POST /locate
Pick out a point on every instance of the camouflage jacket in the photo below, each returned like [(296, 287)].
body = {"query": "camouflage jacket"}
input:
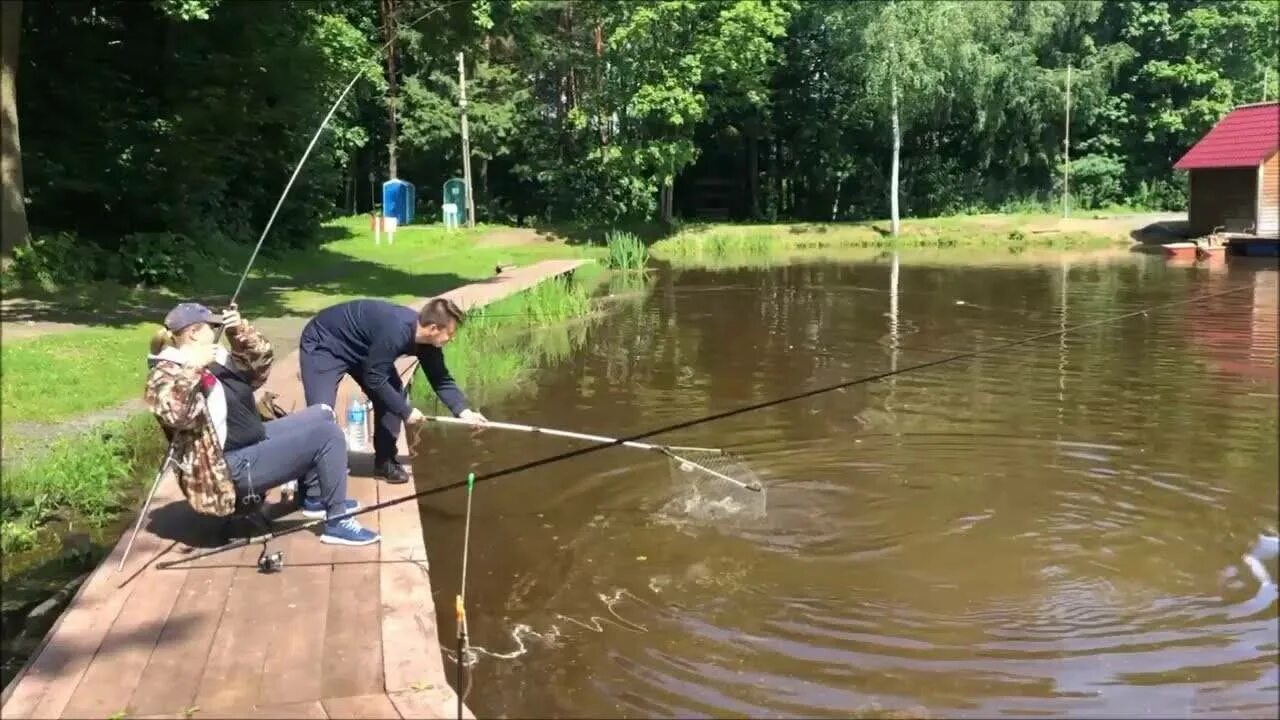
[(177, 395)]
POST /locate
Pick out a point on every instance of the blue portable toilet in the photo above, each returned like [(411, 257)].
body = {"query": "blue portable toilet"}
[(398, 200)]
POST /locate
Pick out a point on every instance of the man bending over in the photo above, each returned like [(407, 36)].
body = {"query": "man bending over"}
[(363, 339)]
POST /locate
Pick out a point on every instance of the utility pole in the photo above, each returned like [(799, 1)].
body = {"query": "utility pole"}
[(389, 26), (466, 142), (1066, 152)]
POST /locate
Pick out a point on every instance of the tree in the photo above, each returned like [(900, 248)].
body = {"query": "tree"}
[(14, 229), (913, 56)]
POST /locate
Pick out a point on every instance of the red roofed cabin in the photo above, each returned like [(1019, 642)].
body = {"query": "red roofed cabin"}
[(1235, 174)]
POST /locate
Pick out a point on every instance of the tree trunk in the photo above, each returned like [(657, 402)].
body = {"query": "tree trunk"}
[(14, 230), (778, 208), (753, 172), (484, 181), (771, 181), (664, 202), (897, 147)]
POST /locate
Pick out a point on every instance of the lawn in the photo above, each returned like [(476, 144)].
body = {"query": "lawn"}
[(58, 376)]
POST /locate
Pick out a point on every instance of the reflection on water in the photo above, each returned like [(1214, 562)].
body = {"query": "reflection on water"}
[(1064, 528)]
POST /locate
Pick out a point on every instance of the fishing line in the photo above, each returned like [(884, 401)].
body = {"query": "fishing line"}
[(698, 421)]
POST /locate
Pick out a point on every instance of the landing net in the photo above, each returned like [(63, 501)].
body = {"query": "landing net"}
[(715, 484)]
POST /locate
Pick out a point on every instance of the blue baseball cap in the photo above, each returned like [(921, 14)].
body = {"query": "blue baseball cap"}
[(188, 314)]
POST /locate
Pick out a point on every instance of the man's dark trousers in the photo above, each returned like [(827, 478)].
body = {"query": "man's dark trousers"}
[(321, 373)]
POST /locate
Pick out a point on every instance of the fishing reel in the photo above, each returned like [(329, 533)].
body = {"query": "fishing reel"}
[(270, 562)]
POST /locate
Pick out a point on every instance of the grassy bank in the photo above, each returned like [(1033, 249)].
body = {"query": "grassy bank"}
[(502, 344), (79, 485), (970, 238)]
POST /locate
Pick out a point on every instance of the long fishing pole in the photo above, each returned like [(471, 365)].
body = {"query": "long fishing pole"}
[(218, 331), (241, 542)]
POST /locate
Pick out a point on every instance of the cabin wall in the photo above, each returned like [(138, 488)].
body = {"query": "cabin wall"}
[(1269, 197), (1222, 198)]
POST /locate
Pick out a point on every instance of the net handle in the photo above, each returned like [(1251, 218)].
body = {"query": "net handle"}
[(565, 433)]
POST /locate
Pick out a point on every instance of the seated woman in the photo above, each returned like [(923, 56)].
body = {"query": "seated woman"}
[(203, 398)]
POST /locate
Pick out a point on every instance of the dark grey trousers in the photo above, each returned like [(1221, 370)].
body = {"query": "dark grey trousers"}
[(321, 373), (307, 446)]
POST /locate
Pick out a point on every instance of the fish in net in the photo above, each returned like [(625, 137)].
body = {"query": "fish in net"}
[(715, 484)]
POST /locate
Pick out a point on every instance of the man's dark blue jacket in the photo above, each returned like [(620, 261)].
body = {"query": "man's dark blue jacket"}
[(369, 336)]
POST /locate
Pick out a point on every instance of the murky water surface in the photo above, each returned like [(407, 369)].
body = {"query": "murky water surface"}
[(1056, 529)]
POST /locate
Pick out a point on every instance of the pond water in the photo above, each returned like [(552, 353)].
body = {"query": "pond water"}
[(1054, 529)]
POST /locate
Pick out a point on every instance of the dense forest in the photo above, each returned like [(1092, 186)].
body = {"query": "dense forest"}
[(157, 128)]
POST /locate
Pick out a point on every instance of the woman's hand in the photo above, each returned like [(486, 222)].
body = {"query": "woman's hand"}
[(231, 317)]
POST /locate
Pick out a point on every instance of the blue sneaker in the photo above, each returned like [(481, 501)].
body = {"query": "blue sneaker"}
[(315, 509), (348, 532)]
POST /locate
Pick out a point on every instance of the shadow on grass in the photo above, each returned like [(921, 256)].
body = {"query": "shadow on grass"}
[(266, 292), (588, 235)]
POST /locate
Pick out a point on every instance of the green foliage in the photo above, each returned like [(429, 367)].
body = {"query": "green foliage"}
[(626, 252), (57, 259), (499, 345), (188, 116), (79, 478), (1096, 181), (158, 258)]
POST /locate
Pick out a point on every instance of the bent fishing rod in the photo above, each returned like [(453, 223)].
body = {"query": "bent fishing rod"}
[(472, 480), (218, 331)]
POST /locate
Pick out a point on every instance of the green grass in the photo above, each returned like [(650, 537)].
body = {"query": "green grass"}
[(625, 252), (966, 238), (54, 377), (43, 377), (84, 479), (501, 344)]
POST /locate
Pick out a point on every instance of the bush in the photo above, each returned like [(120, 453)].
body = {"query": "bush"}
[(157, 258), (1161, 194), (60, 259), (1096, 181)]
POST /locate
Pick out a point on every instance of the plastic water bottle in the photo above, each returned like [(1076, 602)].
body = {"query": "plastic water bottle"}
[(357, 431)]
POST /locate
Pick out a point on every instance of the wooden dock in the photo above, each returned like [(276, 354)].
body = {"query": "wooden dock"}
[(339, 632)]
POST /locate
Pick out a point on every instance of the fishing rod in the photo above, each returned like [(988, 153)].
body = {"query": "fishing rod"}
[(218, 331), (462, 593), (241, 542)]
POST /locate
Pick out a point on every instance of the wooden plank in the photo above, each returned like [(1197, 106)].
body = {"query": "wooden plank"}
[(295, 654), (171, 679), (433, 702), (362, 706), (353, 643), (239, 649), (410, 646), (118, 665), (304, 711)]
